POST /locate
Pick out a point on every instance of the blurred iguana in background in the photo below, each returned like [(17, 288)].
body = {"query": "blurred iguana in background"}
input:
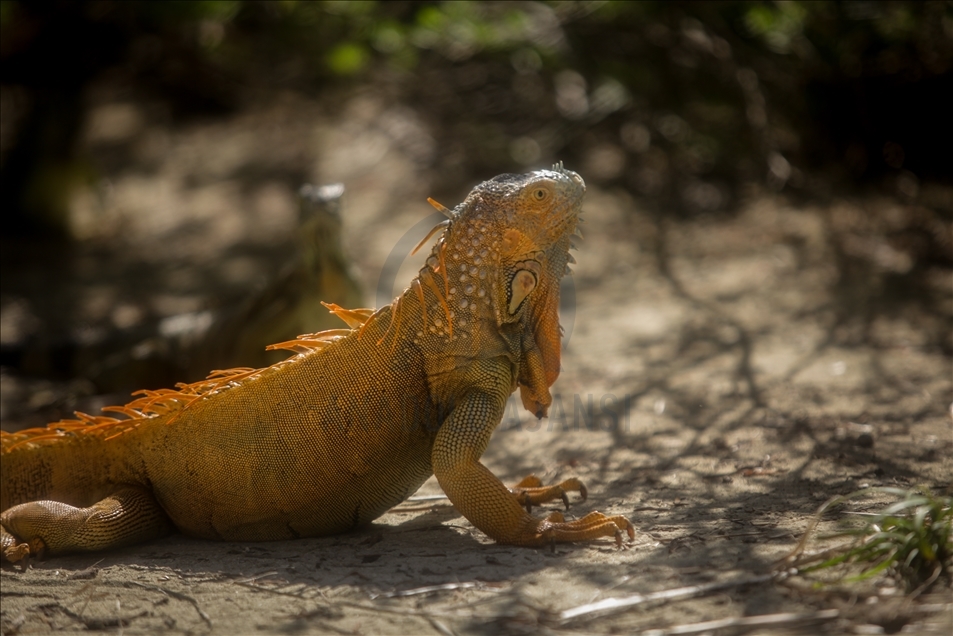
[(292, 304), (187, 346)]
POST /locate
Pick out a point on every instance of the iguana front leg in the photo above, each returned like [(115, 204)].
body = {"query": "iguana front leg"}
[(484, 500), (48, 528)]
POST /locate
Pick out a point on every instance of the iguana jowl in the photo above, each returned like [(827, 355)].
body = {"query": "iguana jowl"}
[(331, 438)]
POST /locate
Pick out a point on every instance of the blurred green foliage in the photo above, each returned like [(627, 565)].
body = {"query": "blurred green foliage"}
[(680, 102)]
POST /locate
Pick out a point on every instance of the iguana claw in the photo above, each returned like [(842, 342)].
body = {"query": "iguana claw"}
[(555, 529), (530, 491)]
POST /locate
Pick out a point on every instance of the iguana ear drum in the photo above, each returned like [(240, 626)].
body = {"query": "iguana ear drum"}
[(522, 284)]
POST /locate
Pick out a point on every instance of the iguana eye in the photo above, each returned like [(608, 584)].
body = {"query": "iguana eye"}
[(540, 194)]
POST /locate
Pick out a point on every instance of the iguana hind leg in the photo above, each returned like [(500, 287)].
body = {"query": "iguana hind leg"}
[(531, 491), (49, 528)]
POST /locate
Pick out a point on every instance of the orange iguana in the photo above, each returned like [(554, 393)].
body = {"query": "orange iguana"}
[(331, 438)]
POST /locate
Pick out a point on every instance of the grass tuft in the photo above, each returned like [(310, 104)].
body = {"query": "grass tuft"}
[(910, 541)]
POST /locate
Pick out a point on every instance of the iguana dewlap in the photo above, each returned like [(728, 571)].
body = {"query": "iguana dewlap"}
[(329, 439)]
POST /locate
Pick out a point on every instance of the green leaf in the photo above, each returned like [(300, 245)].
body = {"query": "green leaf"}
[(348, 58)]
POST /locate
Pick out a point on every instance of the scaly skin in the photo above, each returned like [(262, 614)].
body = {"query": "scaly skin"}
[(330, 439)]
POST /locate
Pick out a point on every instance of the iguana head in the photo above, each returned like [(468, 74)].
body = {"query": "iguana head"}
[(518, 226)]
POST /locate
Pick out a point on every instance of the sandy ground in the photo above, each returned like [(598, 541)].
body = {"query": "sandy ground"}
[(722, 378)]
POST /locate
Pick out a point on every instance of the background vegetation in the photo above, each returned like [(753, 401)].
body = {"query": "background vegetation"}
[(683, 104)]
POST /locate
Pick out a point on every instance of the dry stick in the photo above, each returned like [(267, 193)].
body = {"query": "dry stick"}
[(256, 577), (440, 627), (399, 612), (798, 561), (247, 582), (98, 623), (432, 588), (258, 588), (746, 621), (176, 595), (617, 605), (798, 550), (402, 509)]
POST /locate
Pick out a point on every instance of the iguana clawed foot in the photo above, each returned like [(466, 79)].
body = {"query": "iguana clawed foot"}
[(530, 491), (12, 550), (555, 529), (40, 528)]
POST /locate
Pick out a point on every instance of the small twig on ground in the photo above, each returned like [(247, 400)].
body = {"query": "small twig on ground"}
[(176, 595), (403, 509), (402, 612), (88, 573), (87, 590), (258, 588), (256, 577), (747, 471), (440, 627), (95, 623), (616, 605), (772, 620), (248, 582), (430, 588)]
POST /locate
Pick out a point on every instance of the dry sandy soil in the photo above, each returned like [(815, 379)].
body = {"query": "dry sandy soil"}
[(722, 378)]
